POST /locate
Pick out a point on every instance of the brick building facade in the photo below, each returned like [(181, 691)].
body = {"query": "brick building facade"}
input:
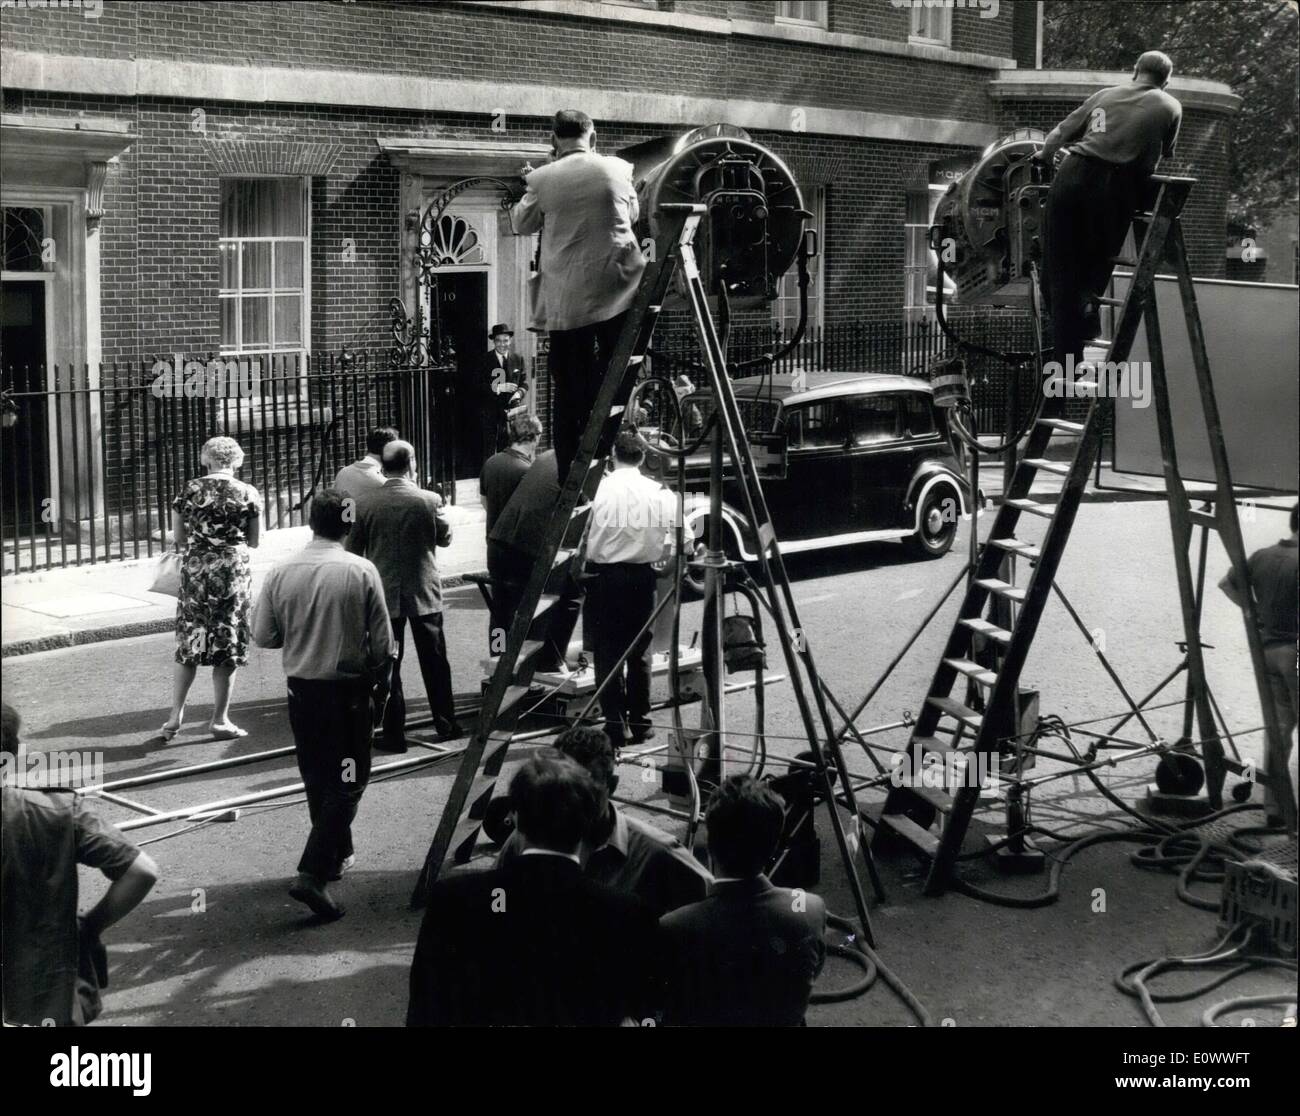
[(135, 132)]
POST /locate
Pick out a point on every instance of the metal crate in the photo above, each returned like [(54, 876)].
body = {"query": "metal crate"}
[(1262, 891)]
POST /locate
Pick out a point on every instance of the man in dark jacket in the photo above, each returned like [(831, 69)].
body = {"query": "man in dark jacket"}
[(500, 387), (746, 956), (501, 476), (398, 527), (1113, 143), (535, 943)]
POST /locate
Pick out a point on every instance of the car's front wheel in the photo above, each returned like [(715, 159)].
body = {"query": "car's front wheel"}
[(938, 519)]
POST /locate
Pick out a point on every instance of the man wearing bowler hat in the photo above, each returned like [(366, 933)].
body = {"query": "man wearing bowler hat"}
[(501, 387)]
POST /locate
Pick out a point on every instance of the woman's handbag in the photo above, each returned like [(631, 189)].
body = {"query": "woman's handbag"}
[(167, 576)]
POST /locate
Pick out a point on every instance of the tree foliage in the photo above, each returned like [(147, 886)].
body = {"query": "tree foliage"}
[(1249, 44)]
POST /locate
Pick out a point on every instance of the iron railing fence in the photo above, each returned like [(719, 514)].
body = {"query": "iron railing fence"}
[(90, 460)]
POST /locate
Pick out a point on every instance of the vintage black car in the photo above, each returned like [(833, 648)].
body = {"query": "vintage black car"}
[(868, 457)]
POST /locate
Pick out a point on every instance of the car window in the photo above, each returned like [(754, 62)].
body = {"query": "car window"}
[(816, 425), (918, 415), (874, 418)]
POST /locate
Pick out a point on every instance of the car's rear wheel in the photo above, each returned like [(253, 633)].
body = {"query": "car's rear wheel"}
[(938, 518), (693, 577)]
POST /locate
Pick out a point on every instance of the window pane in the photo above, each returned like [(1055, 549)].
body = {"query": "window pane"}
[(288, 322), (229, 323), (823, 424), (24, 229), (288, 265), (256, 319), (229, 254), (918, 415), (263, 207), (257, 266), (875, 419)]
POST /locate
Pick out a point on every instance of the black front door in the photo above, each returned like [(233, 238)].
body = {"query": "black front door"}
[(25, 475), (462, 297)]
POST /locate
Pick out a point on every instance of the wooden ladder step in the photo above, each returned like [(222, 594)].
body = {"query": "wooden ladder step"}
[(1057, 467), (1033, 507), (1002, 589), (980, 674), (1063, 425), (1019, 547), (903, 826), (937, 797), (1205, 519), (986, 629), (955, 709), (545, 602)]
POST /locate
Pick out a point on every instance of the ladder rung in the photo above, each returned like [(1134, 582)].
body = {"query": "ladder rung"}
[(1001, 588), (956, 710), (1106, 300), (1018, 546), (530, 648), (562, 556), (1033, 507), (1205, 519), (988, 630), (1123, 261), (913, 834), (1063, 425), (581, 509), (979, 673), (544, 602), (937, 797), (1046, 466)]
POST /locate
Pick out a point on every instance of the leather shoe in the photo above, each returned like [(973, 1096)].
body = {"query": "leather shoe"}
[(316, 895), (382, 744), (345, 866), (448, 729)]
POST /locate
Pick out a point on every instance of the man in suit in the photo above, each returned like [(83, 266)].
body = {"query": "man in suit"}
[(748, 954), (500, 385), (399, 527), (535, 943), (367, 473), (501, 476), (585, 206), (516, 542)]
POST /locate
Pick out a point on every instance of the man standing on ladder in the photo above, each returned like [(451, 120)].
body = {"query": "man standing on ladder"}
[(1113, 143), (591, 265)]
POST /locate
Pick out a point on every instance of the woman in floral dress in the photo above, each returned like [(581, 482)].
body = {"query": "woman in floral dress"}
[(215, 519)]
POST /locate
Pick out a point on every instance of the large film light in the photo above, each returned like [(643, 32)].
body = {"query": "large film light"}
[(755, 213)]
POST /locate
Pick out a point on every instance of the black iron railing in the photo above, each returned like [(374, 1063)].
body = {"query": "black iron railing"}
[(91, 460)]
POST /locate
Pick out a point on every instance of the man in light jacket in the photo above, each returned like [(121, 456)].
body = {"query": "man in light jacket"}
[(585, 206)]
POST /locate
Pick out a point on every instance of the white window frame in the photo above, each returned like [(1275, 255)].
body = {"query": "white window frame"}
[(785, 308), (818, 6), (268, 354), (918, 295), (931, 25)]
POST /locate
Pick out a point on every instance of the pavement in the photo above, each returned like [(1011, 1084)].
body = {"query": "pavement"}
[(111, 600)]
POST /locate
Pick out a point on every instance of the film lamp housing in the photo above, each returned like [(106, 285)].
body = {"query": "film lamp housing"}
[(988, 228), (753, 230)]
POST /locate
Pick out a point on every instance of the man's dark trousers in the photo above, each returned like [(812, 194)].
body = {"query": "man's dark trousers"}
[(622, 597), (1089, 211), (331, 724), (431, 650), (577, 360)]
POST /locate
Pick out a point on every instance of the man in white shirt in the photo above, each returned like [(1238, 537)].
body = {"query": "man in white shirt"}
[(632, 524)]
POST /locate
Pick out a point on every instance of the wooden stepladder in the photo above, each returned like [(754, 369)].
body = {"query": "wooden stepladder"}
[(947, 725)]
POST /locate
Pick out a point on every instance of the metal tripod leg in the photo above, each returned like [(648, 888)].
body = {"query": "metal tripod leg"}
[(787, 622)]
